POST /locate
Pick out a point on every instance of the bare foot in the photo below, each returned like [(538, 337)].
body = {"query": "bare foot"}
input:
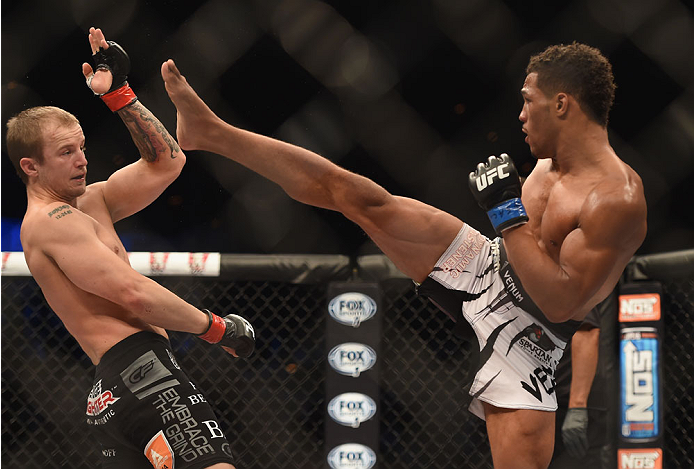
[(194, 117)]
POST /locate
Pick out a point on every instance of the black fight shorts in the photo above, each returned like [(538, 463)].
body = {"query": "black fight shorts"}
[(146, 413)]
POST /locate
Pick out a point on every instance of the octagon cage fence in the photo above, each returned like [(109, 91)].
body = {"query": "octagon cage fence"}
[(272, 406)]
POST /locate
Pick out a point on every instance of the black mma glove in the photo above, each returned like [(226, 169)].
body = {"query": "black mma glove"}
[(115, 60), (574, 432), (497, 189), (230, 331)]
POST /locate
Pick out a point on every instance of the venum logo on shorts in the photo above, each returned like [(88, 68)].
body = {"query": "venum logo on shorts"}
[(352, 308), (352, 456), (98, 401), (511, 287), (351, 409), (351, 358)]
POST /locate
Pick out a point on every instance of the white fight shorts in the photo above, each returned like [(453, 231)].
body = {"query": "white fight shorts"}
[(519, 351)]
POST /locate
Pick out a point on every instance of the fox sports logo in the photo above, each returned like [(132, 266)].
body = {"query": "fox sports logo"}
[(352, 308), (351, 409), (352, 456), (352, 358)]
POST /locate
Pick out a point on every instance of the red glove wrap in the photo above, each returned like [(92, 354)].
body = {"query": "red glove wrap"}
[(118, 99), (216, 330)]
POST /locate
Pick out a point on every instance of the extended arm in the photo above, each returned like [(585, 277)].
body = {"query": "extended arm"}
[(137, 185), (71, 241)]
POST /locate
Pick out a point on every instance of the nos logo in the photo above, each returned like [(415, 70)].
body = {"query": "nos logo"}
[(351, 409), (352, 308), (352, 358), (352, 456), (640, 458)]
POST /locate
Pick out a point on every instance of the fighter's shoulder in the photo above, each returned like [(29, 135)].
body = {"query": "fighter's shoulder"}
[(616, 205), (93, 197), (55, 219), (619, 188)]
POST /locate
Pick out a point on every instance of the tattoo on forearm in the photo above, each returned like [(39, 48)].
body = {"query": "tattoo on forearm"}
[(149, 135), (61, 211)]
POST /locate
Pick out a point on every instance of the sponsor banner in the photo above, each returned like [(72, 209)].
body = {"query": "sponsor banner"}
[(352, 308), (204, 264), (641, 458), (351, 358), (640, 388), (351, 409), (352, 341), (351, 456), (14, 264), (639, 307)]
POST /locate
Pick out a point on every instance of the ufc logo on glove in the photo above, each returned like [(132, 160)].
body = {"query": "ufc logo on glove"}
[(487, 178), (497, 188)]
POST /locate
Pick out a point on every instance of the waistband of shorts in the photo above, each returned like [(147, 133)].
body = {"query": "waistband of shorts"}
[(512, 283), (520, 297), (122, 354)]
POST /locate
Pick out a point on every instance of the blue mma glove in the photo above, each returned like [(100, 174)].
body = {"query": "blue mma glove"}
[(496, 187)]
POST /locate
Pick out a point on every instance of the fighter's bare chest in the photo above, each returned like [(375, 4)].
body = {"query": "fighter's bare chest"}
[(110, 239), (554, 208), (96, 211), (105, 232)]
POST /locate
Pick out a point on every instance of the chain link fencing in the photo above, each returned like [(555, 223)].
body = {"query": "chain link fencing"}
[(678, 372), (272, 406)]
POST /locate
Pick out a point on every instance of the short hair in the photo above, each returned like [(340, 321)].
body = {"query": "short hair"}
[(25, 133), (579, 70)]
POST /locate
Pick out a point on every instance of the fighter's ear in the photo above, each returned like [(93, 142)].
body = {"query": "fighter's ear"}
[(29, 166), (561, 104)]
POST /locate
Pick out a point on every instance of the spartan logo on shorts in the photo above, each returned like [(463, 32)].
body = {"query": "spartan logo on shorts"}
[(534, 341)]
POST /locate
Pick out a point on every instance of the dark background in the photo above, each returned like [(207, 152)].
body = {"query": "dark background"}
[(409, 93)]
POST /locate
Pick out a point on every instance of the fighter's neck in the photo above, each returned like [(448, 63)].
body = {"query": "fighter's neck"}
[(581, 149), (41, 196)]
